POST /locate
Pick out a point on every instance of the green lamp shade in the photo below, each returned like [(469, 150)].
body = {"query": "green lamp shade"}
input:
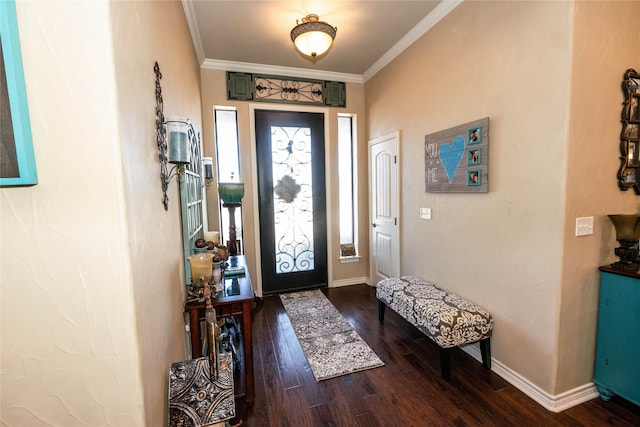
[(231, 192)]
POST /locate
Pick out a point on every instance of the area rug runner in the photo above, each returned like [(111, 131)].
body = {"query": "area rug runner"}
[(330, 345)]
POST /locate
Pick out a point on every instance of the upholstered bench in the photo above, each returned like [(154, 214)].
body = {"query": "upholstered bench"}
[(447, 319)]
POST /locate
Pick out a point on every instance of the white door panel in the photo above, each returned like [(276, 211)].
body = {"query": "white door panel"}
[(383, 209)]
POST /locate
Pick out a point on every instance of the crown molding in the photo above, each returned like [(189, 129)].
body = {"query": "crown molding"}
[(429, 21), (190, 14), (246, 67)]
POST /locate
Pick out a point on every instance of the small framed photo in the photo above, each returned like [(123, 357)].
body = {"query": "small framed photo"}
[(632, 154), (632, 131), (474, 135), (473, 177), (630, 176), (474, 156), (634, 108)]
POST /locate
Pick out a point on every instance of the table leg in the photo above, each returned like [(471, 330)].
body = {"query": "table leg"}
[(194, 328), (248, 350)]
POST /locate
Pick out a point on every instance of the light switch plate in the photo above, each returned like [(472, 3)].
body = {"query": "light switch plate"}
[(584, 226), (425, 213)]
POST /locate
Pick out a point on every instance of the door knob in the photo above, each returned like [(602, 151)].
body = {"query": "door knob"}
[(373, 224)]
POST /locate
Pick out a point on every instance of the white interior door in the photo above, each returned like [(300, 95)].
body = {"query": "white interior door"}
[(384, 247)]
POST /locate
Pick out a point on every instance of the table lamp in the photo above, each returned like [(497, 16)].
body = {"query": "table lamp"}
[(231, 194), (627, 234)]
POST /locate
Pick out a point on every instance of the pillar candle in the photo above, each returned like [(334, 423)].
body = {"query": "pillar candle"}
[(178, 147), (207, 162)]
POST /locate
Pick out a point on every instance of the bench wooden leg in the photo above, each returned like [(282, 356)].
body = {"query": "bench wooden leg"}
[(445, 363), (381, 308), (485, 350)]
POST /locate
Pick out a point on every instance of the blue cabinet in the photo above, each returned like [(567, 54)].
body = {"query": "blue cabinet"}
[(617, 369)]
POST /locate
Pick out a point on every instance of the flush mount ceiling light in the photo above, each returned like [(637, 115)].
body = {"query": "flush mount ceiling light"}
[(313, 37)]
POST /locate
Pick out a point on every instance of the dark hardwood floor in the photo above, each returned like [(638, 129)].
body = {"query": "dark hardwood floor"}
[(407, 391)]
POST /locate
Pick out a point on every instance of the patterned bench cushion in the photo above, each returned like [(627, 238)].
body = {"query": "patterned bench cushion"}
[(447, 319)]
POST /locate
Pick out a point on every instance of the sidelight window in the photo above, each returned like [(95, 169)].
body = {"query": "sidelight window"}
[(228, 163), (347, 188)]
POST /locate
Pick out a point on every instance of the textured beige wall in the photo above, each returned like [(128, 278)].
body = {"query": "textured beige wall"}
[(69, 341), (606, 43), (214, 94), (145, 32), (509, 61), (91, 262)]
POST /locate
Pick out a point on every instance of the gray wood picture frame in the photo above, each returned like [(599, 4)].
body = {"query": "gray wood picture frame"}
[(457, 159)]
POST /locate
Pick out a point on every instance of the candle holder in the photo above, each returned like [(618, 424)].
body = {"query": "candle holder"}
[(174, 137), (627, 234)]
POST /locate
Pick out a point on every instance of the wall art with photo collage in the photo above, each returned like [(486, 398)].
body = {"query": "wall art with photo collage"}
[(457, 159)]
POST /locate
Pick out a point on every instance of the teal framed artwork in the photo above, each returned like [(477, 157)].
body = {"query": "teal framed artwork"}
[(17, 161)]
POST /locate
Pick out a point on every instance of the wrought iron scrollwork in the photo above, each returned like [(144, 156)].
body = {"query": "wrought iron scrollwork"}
[(161, 138), (293, 204), (289, 90), (166, 174)]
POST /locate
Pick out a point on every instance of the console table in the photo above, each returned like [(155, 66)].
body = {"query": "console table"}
[(235, 300), (617, 367)]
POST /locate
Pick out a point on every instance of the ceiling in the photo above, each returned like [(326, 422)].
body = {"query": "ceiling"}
[(254, 35)]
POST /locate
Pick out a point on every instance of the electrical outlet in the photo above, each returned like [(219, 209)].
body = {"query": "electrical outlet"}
[(584, 226), (425, 213)]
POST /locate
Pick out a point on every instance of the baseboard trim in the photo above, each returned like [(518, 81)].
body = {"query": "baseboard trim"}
[(557, 403), (348, 282)]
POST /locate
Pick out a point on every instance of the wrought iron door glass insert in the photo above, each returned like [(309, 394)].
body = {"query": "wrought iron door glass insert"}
[(293, 198)]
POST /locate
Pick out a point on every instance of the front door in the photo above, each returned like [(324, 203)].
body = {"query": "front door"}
[(291, 194)]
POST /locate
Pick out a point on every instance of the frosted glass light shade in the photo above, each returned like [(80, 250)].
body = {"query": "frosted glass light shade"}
[(313, 43), (201, 267)]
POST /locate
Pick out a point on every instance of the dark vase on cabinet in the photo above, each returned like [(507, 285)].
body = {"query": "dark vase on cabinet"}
[(617, 369)]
